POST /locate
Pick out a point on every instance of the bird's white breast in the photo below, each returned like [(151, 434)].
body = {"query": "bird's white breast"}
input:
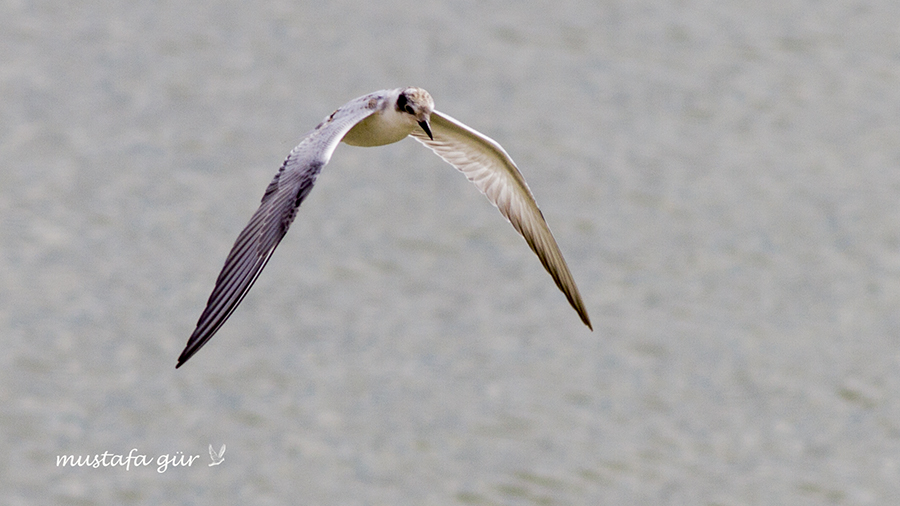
[(383, 127)]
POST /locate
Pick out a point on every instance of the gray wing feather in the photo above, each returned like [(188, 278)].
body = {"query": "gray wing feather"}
[(486, 163), (256, 243)]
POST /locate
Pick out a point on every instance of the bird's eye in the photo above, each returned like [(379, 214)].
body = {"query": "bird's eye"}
[(402, 103)]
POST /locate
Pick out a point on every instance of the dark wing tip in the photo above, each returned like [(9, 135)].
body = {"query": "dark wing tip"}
[(249, 255), (228, 293), (190, 350), (587, 321), (195, 342), (575, 301), (185, 355)]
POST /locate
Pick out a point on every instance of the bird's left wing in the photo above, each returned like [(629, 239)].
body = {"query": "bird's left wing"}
[(255, 244), (486, 163)]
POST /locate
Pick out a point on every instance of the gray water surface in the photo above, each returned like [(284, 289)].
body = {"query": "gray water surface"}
[(723, 178)]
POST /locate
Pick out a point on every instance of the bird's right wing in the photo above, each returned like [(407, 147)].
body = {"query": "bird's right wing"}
[(485, 163), (256, 243)]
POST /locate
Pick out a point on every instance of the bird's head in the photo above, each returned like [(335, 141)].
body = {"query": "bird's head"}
[(418, 103)]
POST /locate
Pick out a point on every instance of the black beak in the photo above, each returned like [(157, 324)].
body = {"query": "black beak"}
[(427, 128)]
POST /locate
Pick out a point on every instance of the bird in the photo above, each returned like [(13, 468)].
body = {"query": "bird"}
[(376, 119)]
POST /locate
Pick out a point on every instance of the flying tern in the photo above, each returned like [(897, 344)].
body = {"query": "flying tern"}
[(376, 119)]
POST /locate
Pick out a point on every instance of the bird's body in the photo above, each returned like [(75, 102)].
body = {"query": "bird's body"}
[(387, 124), (376, 119)]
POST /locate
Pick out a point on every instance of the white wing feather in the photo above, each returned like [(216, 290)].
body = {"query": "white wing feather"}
[(486, 163)]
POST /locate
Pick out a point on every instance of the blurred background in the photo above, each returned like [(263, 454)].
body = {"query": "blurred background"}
[(721, 176)]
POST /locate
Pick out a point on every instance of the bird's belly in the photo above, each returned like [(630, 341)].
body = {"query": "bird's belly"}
[(378, 130)]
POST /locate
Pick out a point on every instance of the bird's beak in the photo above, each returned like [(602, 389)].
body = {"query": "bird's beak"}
[(425, 126)]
